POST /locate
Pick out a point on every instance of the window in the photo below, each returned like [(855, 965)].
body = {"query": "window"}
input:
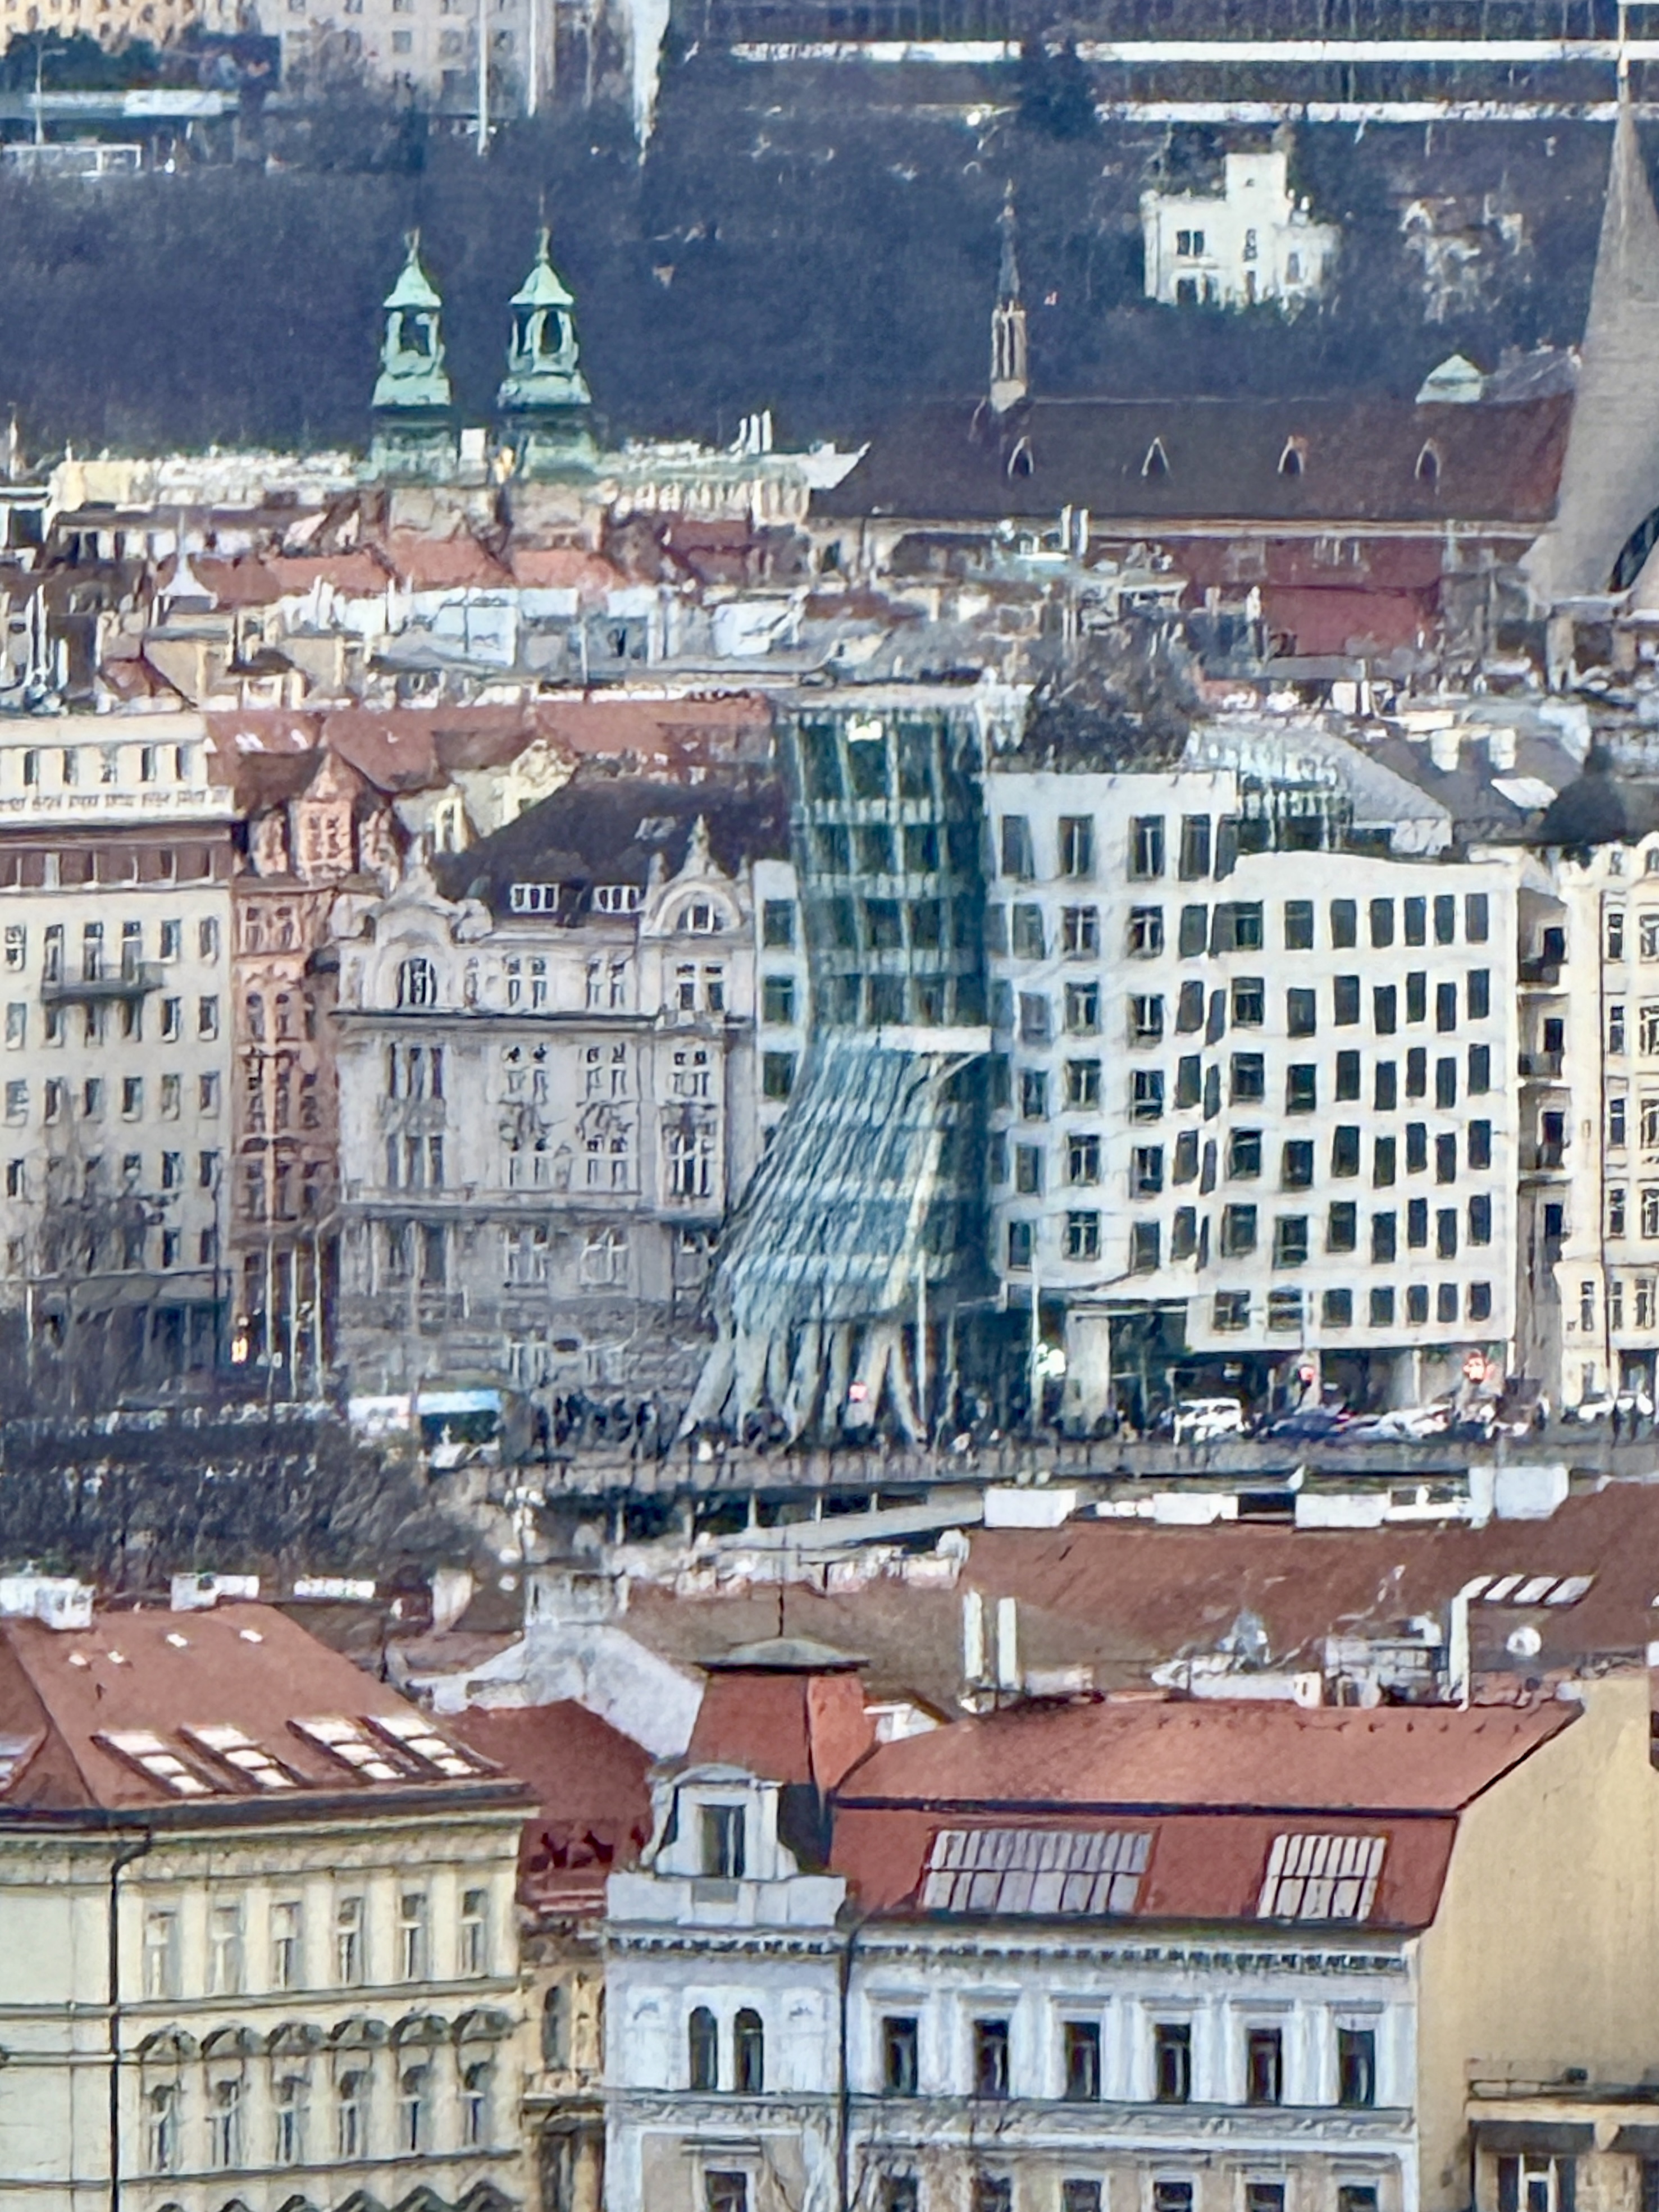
[(1194, 931), (1017, 848), (1445, 1159), (1081, 2046), (207, 1017), (725, 2192), (1356, 2066), (475, 2128), (349, 1964), (1296, 1166), (161, 1953), (1477, 912), (1083, 1083), (1345, 1149), (1147, 847), (778, 1000), (1250, 1001), (412, 1937), (899, 2055), (1194, 846), (1616, 1029), (1145, 939), (1238, 1231), (749, 2053), (1319, 1877), (992, 2192), (1146, 1171), (473, 1933), (1298, 925), (703, 2050), (1445, 1083), (1243, 1154), (1384, 1236), (1480, 1219), (1083, 1013), (1479, 1070), (1029, 939), (1172, 2061), (1336, 1310), (1416, 1305), (1033, 1017), (1249, 1078), (287, 2113), (1077, 845), (1290, 1240), (1019, 1244), (224, 1950), (417, 983), (1301, 1088), (722, 1829), (778, 925), (1342, 1226), (1347, 1074), (225, 2124), (351, 2116), (1028, 1170), (287, 1959), (412, 2086), (162, 2106), (1264, 2066), (1084, 2196), (1231, 1311), (991, 2055), (777, 1074), (1300, 1012), (1146, 1094)]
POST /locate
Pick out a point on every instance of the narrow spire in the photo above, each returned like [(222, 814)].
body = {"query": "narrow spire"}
[(1610, 477), (1009, 380)]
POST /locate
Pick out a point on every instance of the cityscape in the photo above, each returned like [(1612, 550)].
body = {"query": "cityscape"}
[(830, 1107)]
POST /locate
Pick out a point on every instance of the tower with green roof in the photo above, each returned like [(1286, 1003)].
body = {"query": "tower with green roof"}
[(414, 434), (543, 400)]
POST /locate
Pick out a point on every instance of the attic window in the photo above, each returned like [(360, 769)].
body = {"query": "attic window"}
[(14, 1749), (1156, 463), (242, 1753), (701, 919), (151, 1756), (1321, 1877), (1036, 1870), (532, 898), (411, 1732), (1428, 464), (1022, 460), (1291, 460), (345, 1740), (616, 898)]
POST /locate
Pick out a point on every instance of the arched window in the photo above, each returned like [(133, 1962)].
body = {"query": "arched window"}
[(256, 1015), (1290, 461), (417, 984), (702, 2039), (748, 2051), (556, 2026), (225, 2125), (1156, 463), (164, 2119), (1428, 466)]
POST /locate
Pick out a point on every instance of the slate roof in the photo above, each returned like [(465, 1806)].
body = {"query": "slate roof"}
[(1361, 462)]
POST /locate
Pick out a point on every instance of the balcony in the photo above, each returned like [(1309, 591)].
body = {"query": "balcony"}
[(1542, 1158), (1542, 972), (131, 980), (1543, 1066)]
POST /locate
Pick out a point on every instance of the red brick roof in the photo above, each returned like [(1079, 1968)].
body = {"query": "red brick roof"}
[(177, 1680)]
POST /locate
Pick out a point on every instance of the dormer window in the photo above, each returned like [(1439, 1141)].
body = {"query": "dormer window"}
[(701, 919), (616, 898), (1022, 460), (1428, 464), (1291, 461), (532, 898), (1156, 463), (723, 1838)]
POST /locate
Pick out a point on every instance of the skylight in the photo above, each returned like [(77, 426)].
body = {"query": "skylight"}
[(240, 1751), (409, 1732), (345, 1740), (1534, 1589), (1321, 1877), (1035, 1870), (150, 1754)]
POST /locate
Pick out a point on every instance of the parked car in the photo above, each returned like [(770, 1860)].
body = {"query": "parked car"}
[(1203, 1420), (1308, 1424), (1402, 1423)]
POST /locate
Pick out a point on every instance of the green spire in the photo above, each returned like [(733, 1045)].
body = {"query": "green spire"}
[(412, 372), (543, 361)]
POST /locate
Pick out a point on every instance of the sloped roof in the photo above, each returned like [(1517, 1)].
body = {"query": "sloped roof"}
[(1221, 459), (424, 563), (1210, 1755), (247, 1667), (1599, 809), (593, 1806)]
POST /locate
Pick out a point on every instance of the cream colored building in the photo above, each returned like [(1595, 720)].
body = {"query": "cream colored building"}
[(115, 940), (260, 1914)]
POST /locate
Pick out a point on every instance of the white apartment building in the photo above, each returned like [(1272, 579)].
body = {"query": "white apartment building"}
[(553, 1084), (1252, 1123), (1254, 243), (1188, 1957), (115, 864), (261, 1944)]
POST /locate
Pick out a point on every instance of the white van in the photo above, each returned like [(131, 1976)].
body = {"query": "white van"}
[(1201, 1420)]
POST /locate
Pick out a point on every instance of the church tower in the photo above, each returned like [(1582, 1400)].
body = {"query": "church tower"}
[(1008, 381), (543, 399), (414, 437)]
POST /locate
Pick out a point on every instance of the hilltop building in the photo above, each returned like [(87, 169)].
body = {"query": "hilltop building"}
[(1255, 244)]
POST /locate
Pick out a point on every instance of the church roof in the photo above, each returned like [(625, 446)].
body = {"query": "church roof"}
[(414, 286), (544, 286)]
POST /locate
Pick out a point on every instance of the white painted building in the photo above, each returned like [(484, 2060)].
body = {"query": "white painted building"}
[(1251, 1113), (1254, 243), (1184, 1958)]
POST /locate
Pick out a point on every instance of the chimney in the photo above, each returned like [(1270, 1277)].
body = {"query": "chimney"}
[(1007, 1644), (973, 1637), (1444, 747), (1500, 749)]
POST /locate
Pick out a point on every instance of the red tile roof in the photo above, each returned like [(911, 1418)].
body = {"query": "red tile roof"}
[(592, 1802), (437, 564), (564, 569), (1218, 1754), (179, 1679)]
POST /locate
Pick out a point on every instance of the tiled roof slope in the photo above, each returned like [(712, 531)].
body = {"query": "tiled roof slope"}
[(78, 1707)]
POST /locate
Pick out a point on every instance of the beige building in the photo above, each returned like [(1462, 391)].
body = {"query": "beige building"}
[(115, 911), (261, 1947)]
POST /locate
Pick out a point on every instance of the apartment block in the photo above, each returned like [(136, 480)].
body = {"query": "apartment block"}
[(115, 864)]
